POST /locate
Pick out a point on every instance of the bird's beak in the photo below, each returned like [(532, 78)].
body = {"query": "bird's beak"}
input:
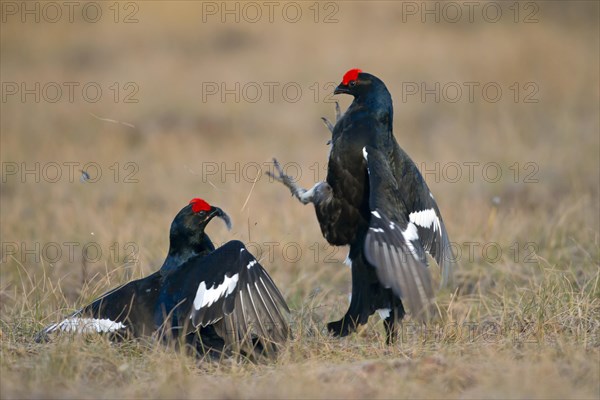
[(341, 89), (217, 212)]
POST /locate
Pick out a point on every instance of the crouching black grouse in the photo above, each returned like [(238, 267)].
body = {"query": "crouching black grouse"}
[(218, 300), (375, 200)]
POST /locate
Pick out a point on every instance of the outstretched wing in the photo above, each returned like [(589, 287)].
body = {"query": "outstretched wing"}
[(424, 213), (125, 309), (392, 243), (229, 286)]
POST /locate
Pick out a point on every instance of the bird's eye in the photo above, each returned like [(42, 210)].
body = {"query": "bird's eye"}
[(352, 83)]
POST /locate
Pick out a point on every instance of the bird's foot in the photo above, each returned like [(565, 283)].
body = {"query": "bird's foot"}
[(287, 180), (327, 123), (338, 115), (341, 328)]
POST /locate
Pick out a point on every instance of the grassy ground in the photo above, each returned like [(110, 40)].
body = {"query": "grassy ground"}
[(522, 320)]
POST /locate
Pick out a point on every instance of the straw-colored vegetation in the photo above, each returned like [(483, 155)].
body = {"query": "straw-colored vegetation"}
[(520, 324)]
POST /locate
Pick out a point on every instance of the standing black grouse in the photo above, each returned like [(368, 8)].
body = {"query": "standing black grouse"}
[(218, 299), (375, 200)]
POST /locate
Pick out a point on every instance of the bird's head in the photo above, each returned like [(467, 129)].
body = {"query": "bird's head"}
[(352, 83), (187, 229), (187, 237), (359, 84), (197, 214)]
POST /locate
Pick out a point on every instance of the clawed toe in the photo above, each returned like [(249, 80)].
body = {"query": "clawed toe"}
[(281, 175), (328, 124), (336, 328), (339, 328), (287, 180), (338, 115)]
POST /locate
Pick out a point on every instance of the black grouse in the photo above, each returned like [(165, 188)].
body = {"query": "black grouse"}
[(375, 200), (218, 300)]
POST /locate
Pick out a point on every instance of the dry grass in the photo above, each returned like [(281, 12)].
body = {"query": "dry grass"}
[(523, 326)]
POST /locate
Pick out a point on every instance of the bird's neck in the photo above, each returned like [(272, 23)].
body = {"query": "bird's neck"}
[(378, 102), (374, 110), (181, 249)]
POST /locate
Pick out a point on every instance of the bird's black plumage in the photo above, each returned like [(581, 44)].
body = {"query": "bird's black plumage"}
[(229, 290), (375, 200), (200, 293)]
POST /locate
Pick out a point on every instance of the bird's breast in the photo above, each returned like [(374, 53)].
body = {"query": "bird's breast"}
[(345, 214)]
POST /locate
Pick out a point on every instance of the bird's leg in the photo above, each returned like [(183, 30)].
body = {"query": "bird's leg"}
[(338, 115), (391, 330), (343, 327), (305, 196), (391, 324), (358, 311)]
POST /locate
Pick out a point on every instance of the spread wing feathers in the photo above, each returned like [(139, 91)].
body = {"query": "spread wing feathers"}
[(392, 243), (400, 263), (434, 238), (422, 210), (231, 285), (113, 312)]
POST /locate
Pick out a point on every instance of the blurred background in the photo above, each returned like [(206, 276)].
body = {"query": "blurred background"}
[(159, 102), (164, 101)]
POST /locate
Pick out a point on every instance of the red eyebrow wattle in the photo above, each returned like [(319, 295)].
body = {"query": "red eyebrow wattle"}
[(351, 75), (199, 205)]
